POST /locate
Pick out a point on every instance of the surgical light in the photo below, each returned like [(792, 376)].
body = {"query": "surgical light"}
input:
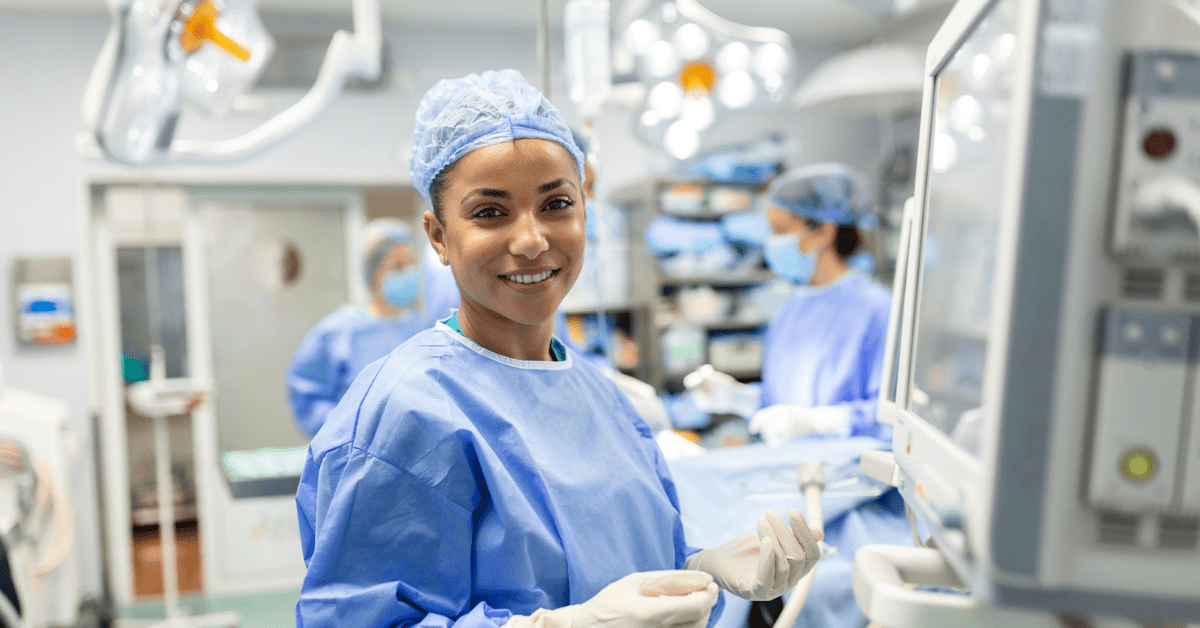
[(661, 59), (965, 113), (670, 12), (773, 84), (737, 90), (714, 66), (639, 35), (945, 152), (682, 140), (733, 57), (691, 41), (697, 78), (981, 73), (1004, 45), (214, 75), (160, 57), (770, 60), (666, 99), (698, 112)]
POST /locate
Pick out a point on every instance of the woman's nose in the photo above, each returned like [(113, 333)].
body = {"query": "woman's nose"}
[(529, 239)]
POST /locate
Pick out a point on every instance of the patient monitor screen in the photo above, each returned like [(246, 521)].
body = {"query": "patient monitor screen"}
[(973, 107)]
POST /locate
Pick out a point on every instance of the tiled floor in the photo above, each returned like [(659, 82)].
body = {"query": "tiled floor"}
[(262, 610)]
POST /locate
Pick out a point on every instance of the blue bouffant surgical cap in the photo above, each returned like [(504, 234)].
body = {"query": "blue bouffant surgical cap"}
[(828, 192), (457, 116), (380, 236)]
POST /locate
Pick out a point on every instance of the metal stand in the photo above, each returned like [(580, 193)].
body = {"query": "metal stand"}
[(159, 398), (811, 478)]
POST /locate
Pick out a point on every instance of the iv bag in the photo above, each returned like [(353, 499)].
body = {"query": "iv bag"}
[(589, 66)]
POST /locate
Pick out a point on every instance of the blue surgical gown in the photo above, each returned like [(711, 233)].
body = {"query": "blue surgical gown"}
[(824, 347), (453, 487), (333, 353)]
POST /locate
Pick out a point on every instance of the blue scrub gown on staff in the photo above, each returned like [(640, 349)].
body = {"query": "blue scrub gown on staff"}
[(453, 486), (333, 353), (824, 347)]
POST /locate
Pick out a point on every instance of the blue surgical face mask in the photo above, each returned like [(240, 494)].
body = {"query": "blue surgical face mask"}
[(401, 287), (785, 258)]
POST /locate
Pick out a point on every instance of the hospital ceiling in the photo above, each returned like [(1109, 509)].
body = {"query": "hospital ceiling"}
[(833, 21)]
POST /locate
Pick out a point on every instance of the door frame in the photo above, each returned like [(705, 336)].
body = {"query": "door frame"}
[(100, 315)]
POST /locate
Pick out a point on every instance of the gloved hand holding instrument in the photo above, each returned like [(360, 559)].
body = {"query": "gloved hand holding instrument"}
[(647, 599), (766, 563)]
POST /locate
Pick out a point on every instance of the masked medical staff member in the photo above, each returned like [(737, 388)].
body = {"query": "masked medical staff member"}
[(355, 335), (481, 475), (824, 346)]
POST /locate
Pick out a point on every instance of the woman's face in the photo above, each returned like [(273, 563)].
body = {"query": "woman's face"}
[(400, 256), (782, 221), (513, 228)]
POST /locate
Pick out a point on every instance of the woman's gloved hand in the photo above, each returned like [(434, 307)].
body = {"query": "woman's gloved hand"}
[(781, 423), (763, 565), (647, 599), (719, 393)]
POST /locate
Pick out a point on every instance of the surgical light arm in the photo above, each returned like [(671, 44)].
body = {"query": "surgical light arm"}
[(116, 77), (354, 54)]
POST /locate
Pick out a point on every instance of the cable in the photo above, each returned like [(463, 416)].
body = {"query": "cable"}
[(9, 614), (48, 495), (62, 535)]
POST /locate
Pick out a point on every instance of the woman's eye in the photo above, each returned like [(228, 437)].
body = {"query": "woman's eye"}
[(488, 212), (559, 204)]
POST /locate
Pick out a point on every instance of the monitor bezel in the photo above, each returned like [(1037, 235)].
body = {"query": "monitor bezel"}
[(926, 477)]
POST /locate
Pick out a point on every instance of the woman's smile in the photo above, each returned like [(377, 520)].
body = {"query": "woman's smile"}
[(530, 278)]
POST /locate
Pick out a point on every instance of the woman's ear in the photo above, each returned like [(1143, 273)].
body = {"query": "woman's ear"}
[(827, 232), (436, 232)]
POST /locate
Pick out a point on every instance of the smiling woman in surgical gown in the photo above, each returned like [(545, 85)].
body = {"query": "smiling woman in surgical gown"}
[(482, 475)]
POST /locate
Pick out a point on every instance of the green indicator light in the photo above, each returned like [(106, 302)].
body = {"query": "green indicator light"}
[(1138, 465)]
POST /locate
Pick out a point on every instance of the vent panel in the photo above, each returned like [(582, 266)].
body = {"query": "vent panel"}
[(1143, 284), (1118, 528), (1178, 533), (1191, 288)]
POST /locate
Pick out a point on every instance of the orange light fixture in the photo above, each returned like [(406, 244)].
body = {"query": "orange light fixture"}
[(202, 27), (697, 78)]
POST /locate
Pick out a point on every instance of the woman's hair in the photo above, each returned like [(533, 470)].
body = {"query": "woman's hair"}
[(847, 240), (437, 187)]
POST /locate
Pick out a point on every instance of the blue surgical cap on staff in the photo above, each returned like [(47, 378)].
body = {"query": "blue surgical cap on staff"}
[(458, 116), (826, 192), (380, 237)]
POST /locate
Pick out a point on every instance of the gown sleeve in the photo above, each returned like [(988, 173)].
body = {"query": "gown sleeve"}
[(682, 549), (312, 380), (863, 410), (384, 548)]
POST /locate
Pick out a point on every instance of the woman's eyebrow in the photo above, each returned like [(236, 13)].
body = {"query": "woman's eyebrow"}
[(490, 192), (557, 183)]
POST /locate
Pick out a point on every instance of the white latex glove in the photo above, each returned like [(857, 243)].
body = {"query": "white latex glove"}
[(781, 423), (763, 565), (719, 393), (647, 599)]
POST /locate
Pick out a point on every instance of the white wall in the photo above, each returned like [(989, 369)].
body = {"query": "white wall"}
[(45, 59), (43, 65)]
